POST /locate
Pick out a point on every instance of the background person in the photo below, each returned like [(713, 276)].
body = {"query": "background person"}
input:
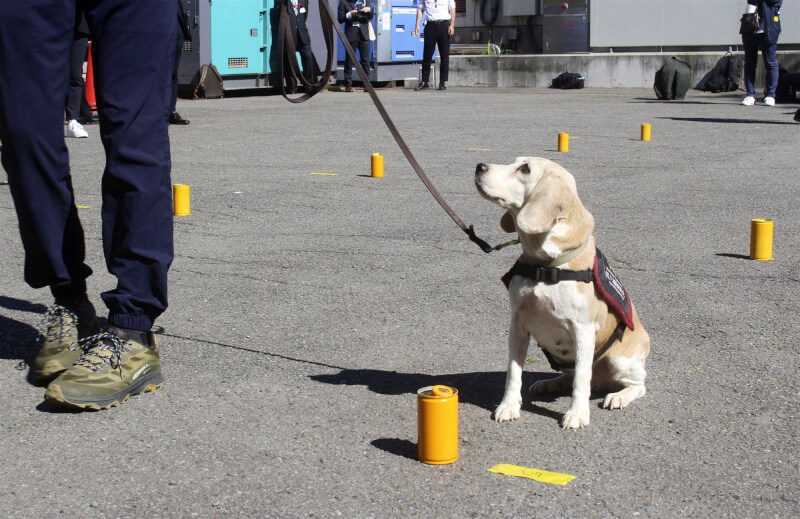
[(298, 31), (356, 19), (766, 39), (184, 35), (439, 28), (77, 108)]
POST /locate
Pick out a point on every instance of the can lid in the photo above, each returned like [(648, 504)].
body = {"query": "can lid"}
[(437, 391), (442, 391)]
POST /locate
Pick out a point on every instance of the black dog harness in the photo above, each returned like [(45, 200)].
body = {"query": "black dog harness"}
[(606, 284)]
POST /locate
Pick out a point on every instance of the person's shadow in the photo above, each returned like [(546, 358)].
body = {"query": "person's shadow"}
[(17, 339), (483, 388)]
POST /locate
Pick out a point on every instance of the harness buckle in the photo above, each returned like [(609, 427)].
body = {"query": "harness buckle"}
[(550, 275)]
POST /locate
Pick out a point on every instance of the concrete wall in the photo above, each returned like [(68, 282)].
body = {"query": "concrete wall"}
[(600, 70), (629, 24)]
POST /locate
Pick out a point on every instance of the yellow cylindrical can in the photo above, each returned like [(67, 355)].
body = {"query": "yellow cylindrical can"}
[(563, 142), (180, 199), (646, 132), (377, 165), (437, 422), (760, 239)]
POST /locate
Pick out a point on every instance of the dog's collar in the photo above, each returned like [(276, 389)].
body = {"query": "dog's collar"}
[(546, 274), (550, 273), (562, 258)]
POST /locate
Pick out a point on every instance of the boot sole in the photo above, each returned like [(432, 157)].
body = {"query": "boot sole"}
[(146, 384)]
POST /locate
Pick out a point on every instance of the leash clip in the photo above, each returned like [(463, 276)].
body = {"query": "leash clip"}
[(485, 247)]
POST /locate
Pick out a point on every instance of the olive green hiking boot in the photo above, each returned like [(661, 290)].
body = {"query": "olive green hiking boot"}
[(62, 328), (114, 365)]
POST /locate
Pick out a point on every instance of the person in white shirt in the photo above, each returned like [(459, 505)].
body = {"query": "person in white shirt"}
[(766, 40), (439, 28)]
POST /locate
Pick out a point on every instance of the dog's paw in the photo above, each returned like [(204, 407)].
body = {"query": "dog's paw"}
[(621, 399), (506, 412), (558, 384), (575, 419)]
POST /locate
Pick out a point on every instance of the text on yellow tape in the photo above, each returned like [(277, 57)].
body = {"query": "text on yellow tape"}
[(538, 475)]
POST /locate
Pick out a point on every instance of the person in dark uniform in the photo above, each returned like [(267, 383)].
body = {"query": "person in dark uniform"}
[(77, 108), (356, 19), (184, 34), (439, 28), (133, 45), (766, 39), (298, 31)]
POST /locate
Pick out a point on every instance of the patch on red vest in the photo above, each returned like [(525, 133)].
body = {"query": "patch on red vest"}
[(611, 290)]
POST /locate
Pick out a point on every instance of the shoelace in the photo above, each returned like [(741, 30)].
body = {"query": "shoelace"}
[(58, 323), (100, 349)]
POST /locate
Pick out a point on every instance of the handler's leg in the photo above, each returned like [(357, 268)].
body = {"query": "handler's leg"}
[(132, 64), (35, 41)]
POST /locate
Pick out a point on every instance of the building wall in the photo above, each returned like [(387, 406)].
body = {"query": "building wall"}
[(625, 25), (677, 23)]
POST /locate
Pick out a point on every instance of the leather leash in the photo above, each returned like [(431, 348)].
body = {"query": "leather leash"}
[(329, 21)]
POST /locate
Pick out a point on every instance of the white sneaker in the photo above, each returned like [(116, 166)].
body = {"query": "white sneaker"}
[(75, 129), (749, 101), (769, 101)]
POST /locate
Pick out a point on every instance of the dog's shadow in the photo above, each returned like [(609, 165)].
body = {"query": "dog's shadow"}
[(481, 389)]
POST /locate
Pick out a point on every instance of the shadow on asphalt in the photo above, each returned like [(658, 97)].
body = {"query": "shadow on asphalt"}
[(716, 120), (16, 338), (675, 101), (482, 389), (396, 446), (734, 256)]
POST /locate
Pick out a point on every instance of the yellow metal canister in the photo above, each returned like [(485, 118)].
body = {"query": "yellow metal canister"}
[(760, 239), (376, 162), (646, 132), (563, 142), (180, 200), (437, 421)]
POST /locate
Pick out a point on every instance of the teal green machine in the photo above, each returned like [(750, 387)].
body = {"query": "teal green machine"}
[(241, 38), (237, 37)]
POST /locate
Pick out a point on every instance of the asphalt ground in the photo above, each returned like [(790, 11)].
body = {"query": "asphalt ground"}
[(310, 301)]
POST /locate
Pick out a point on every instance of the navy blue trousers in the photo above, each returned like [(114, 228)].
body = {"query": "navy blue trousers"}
[(752, 43), (133, 44), (436, 36)]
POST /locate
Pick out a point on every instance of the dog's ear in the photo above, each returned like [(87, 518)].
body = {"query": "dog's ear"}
[(507, 222), (544, 205)]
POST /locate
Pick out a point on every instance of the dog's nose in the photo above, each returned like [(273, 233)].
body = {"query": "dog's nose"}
[(481, 168)]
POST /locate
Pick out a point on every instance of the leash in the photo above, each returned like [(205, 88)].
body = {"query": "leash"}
[(329, 21)]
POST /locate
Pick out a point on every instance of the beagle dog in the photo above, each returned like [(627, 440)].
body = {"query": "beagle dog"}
[(563, 293)]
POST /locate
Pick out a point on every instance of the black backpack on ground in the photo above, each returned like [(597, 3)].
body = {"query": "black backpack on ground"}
[(788, 86), (567, 80), (725, 75), (673, 79), (207, 83)]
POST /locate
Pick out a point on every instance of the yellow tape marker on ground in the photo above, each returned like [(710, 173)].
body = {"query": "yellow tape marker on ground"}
[(83, 207), (538, 475), (326, 174)]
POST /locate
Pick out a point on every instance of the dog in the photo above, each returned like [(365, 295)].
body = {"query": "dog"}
[(556, 290)]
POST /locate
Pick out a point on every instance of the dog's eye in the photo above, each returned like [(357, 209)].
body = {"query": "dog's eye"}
[(524, 169)]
